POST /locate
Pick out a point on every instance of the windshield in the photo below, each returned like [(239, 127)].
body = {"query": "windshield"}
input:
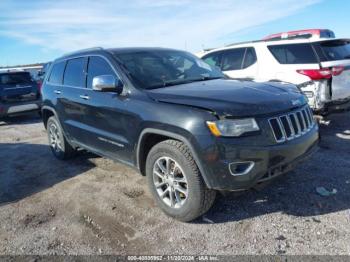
[(159, 68), (15, 78), (335, 50)]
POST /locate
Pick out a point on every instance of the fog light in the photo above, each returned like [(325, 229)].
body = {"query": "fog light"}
[(241, 168)]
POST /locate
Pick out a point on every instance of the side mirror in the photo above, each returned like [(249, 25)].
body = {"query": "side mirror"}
[(107, 83)]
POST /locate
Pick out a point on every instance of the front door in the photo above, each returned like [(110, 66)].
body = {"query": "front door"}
[(107, 121)]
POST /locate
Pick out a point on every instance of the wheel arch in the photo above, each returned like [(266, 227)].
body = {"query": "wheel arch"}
[(46, 113), (142, 148)]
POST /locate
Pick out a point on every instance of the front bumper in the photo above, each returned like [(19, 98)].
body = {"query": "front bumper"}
[(269, 162), (8, 109)]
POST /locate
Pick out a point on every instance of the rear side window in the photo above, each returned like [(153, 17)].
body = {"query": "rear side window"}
[(333, 50), (294, 54), (213, 59), (97, 66), (249, 58), (232, 59), (74, 74), (56, 76)]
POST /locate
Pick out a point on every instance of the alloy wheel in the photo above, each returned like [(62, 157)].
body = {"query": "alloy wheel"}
[(170, 182), (55, 139)]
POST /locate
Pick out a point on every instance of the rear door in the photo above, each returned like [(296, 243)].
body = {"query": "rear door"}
[(17, 87), (71, 104), (335, 54)]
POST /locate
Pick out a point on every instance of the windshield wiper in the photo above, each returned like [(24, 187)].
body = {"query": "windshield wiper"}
[(205, 78), (184, 81)]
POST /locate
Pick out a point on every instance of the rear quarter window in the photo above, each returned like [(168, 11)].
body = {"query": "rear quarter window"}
[(294, 54)]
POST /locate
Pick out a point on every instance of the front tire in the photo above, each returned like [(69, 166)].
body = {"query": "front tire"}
[(57, 141), (176, 183)]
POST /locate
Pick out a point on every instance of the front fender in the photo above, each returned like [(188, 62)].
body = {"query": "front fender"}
[(181, 135)]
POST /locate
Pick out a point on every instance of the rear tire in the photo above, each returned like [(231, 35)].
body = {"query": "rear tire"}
[(176, 183), (57, 141)]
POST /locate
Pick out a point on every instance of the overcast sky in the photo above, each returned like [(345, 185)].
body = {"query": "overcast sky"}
[(39, 30)]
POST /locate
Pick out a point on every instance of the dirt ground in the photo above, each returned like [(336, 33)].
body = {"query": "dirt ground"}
[(91, 205)]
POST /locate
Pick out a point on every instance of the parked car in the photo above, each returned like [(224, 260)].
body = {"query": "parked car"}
[(19, 93), (177, 120), (319, 67)]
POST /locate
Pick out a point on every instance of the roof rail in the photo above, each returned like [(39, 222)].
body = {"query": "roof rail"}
[(246, 42), (97, 48), (263, 40)]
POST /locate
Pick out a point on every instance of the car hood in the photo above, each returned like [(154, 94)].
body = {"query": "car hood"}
[(232, 97)]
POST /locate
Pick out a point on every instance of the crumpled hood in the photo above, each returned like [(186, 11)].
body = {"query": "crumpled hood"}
[(232, 97)]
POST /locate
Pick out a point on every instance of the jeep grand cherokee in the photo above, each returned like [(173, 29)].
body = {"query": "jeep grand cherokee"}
[(177, 120)]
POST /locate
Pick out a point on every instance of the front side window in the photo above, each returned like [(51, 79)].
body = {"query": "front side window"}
[(213, 59), (56, 76), (294, 54), (232, 59), (97, 66), (74, 74), (159, 68)]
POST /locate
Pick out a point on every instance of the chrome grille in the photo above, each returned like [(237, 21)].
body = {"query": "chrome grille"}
[(292, 125)]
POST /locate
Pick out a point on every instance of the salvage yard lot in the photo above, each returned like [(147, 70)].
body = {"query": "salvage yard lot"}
[(91, 205)]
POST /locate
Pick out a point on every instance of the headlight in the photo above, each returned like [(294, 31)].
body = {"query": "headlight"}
[(234, 127)]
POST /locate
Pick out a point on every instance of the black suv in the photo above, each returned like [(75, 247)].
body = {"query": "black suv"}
[(177, 120)]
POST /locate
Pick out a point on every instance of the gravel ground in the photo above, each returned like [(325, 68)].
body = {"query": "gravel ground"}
[(91, 205)]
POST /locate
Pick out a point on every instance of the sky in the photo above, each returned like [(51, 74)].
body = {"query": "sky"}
[(41, 30)]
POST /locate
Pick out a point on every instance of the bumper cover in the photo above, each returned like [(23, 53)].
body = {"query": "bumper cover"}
[(337, 106), (270, 161), (8, 109)]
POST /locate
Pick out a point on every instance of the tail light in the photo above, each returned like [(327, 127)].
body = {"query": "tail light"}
[(337, 70), (325, 73), (316, 74)]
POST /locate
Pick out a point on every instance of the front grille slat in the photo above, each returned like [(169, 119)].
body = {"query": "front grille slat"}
[(295, 124), (306, 120), (310, 115), (301, 121), (288, 127)]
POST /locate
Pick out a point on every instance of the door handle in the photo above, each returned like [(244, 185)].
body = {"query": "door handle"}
[(57, 92), (84, 97)]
